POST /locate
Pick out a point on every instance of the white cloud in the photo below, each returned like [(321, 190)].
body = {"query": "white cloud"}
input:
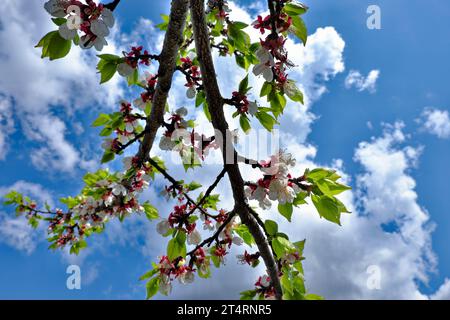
[(41, 89), (443, 293), (356, 80), (436, 122), (15, 231), (6, 125)]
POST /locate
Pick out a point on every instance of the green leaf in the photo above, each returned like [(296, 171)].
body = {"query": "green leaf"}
[(107, 71), (248, 295), (200, 98), (243, 86), (282, 246), (319, 174), (295, 9), (149, 274), (177, 246), (152, 287), (110, 58), (331, 188), (108, 156), (245, 123), (311, 296), (194, 186), (271, 227), (299, 29), (328, 208), (206, 111), (163, 26), (294, 93), (133, 79), (266, 89), (266, 120), (286, 210), (54, 46), (150, 211), (245, 234), (101, 120), (59, 21)]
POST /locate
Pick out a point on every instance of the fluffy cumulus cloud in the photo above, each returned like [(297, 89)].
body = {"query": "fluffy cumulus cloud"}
[(444, 291), (44, 94), (356, 80), (436, 122), (16, 232), (6, 125)]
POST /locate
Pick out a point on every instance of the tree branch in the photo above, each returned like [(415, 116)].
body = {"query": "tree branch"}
[(167, 65), (215, 105)]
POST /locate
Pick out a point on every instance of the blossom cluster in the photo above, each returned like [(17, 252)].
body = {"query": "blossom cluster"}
[(272, 55), (192, 73), (265, 288), (126, 132), (149, 84), (191, 145), (221, 6), (92, 19), (136, 56), (243, 105), (169, 270), (277, 183)]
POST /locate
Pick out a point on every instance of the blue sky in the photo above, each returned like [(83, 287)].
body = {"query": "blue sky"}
[(410, 52)]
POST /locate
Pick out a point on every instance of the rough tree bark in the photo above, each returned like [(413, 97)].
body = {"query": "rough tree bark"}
[(215, 105), (167, 66)]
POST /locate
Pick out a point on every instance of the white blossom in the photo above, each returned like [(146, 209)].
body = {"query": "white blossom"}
[(166, 143), (265, 281), (165, 286), (99, 28), (238, 241), (107, 144), (253, 108), (182, 112), (67, 33), (187, 277), (194, 238), (281, 191), (191, 92), (119, 189), (266, 62), (125, 70), (108, 17), (163, 227), (56, 8)]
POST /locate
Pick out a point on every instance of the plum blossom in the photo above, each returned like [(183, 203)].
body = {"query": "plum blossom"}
[(163, 227), (125, 70), (94, 22), (266, 63), (281, 190), (165, 285), (194, 238), (187, 277), (56, 8), (191, 92), (67, 33), (238, 241), (277, 184), (253, 107), (119, 189)]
